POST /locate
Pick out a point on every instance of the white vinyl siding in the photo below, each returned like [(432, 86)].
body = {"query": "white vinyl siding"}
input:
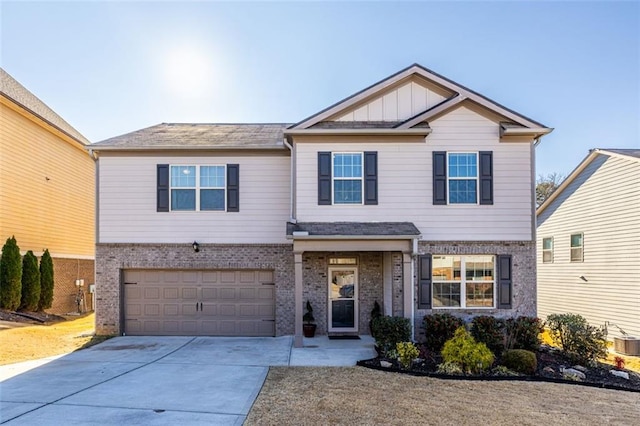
[(405, 183), (128, 202), (602, 203), (399, 104)]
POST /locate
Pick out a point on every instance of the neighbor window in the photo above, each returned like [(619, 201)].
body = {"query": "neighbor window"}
[(547, 250), (577, 247), (347, 178), (463, 178), (463, 281), (197, 188)]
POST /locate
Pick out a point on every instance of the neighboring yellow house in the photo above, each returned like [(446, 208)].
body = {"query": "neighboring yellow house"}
[(47, 193)]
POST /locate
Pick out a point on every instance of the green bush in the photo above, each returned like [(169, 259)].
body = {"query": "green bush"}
[(471, 356), (30, 282), (389, 331), (438, 328), (581, 342), (46, 281), (375, 313), (10, 275), (523, 333), (490, 331), (451, 368), (520, 360), (407, 352)]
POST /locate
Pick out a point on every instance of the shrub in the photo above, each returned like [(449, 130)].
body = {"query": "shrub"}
[(10, 275), (490, 331), (471, 356), (407, 352), (439, 328), (308, 318), (30, 282), (46, 281), (449, 368), (520, 360), (523, 333), (375, 313), (389, 331), (502, 371), (581, 342)]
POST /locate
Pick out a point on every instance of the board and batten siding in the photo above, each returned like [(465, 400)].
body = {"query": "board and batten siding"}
[(128, 202), (47, 187), (405, 183), (603, 203), (399, 104)]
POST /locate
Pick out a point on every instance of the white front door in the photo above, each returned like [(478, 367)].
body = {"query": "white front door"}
[(343, 298)]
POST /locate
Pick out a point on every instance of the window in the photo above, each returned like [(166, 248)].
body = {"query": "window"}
[(463, 281), (347, 178), (577, 247), (463, 178), (343, 261), (547, 250), (197, 188)]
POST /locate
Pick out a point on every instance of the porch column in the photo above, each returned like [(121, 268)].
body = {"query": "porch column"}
[(387, 284), (407, 287), (297, 339)]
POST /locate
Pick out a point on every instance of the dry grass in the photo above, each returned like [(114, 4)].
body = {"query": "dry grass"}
[(40, 341), (348, 396)]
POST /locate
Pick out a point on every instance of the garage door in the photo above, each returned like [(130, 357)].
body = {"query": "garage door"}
[(199, 303)]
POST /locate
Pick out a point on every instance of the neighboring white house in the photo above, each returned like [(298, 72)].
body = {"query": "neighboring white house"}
[(416, 192), (589, 242)]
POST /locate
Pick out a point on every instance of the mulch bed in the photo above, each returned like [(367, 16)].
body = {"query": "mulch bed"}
[(30, 317), (550, 364)]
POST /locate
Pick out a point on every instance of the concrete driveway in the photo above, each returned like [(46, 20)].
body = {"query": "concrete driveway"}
[(160, 380)]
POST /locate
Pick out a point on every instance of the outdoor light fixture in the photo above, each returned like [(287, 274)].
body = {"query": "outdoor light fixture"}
[(79, 283), (196, 246)]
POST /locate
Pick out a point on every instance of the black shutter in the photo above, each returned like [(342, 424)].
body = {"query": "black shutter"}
[(439, 177), (371, 177), (324, 178), (504, 281), (486, 177), (233, 187), (162, 188), (424, 281)]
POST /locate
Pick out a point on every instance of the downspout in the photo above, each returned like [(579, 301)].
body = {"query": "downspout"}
[(94, 157), (292, 211)]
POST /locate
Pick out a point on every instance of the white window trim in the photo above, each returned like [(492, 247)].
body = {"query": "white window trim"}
[(333, 179), (551, 250), (571, 248), (477, 178), (197, 188), (463, 286)]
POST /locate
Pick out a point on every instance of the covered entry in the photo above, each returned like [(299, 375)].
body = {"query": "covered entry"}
[(199, 302)]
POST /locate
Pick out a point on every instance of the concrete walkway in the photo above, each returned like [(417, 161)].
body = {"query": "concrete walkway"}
[(159, 380)]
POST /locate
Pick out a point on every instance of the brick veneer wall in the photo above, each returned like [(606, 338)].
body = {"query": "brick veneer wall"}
[(65, 273), (315, 285), (111, 259), (523, 276)]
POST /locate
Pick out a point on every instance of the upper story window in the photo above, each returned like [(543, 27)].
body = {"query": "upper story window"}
[(577, 247), (197, 188), (347, 178), (547, 250), (463, 178), (463, 281)]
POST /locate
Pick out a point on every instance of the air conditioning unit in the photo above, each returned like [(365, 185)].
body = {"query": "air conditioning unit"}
[(627, 345)]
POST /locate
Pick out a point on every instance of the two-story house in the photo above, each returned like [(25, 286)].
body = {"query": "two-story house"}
[(416, 192), (46, 190)]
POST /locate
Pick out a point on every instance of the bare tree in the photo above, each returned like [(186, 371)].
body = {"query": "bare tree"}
[(546, 185)]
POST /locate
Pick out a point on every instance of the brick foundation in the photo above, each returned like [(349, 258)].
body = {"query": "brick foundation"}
[(111, 259)]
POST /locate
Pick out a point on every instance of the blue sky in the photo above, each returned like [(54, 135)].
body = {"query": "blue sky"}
[(109, 68)]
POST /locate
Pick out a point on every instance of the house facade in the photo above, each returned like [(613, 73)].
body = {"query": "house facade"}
[(589, 243), (416, 192), (46, 190)]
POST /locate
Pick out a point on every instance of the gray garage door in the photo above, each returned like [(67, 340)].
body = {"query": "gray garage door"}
[(199, 303)]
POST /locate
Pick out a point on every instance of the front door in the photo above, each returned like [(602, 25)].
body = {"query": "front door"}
[(343, 298)]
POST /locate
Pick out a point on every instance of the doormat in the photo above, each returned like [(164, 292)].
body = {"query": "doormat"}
[(344, 337)]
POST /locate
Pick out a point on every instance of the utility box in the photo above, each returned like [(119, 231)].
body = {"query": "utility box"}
[(627, 345)]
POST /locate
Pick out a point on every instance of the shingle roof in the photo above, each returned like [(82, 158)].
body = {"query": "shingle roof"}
[(630, 152), (200, 136), (16, 92), (354, 228)]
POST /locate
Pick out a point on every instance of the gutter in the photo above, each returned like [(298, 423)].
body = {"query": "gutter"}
[(94, 157), (421, 131)]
